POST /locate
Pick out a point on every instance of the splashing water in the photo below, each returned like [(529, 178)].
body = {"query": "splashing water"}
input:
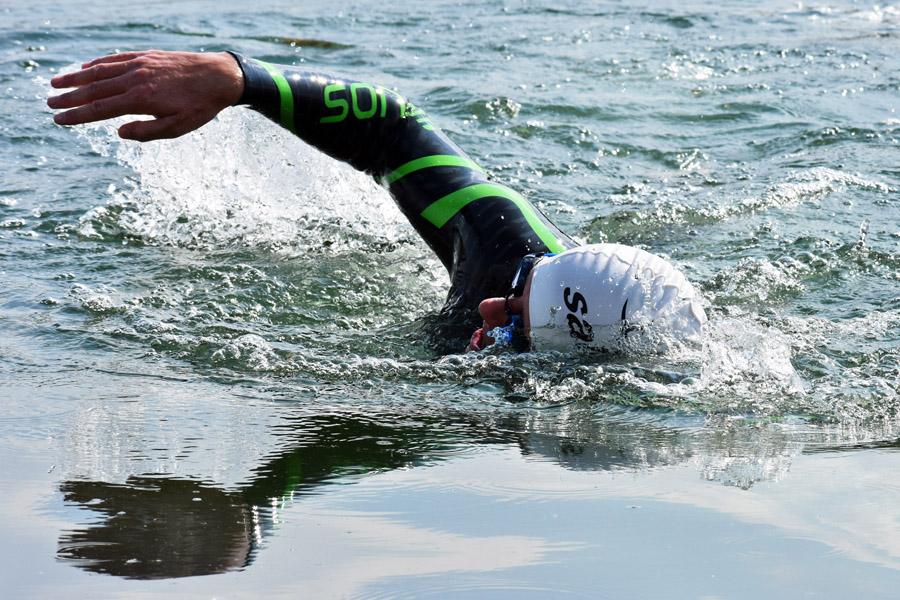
[(241, 182), (269, 193)]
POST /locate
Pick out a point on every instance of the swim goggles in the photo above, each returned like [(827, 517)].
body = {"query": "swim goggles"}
[(513, 334), (517, 287)]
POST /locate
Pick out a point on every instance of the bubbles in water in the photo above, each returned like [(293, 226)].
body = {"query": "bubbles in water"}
[(248, 352), (97, 302), (684, 69), (760, 280)]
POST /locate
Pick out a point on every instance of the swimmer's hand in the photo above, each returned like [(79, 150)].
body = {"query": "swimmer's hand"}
[(476, 342), (479, 340), (182, 90)]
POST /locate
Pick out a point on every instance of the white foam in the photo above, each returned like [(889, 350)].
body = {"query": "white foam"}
[(242, 181), (811, 185)]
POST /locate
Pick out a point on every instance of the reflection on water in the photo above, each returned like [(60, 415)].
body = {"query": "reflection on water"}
[(159, 526)]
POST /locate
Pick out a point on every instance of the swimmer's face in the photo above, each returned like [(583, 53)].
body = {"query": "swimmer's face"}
[(493, 313)]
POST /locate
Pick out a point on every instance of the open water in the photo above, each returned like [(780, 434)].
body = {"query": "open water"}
[(213, 379)]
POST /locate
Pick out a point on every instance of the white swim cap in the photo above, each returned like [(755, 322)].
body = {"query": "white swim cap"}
[(590, 296)]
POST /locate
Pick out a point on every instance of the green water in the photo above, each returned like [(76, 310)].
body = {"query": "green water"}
[(213, 372)]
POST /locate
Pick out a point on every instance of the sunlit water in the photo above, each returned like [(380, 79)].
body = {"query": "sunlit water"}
[(214, 357)]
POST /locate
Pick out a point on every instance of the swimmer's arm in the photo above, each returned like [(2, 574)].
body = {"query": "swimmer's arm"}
[(370, 127), (181, 90), (366, 125)]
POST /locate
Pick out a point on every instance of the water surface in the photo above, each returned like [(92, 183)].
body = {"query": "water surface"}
[(214, 374)]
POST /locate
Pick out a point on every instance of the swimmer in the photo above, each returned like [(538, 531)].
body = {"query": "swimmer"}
[(515, 277)]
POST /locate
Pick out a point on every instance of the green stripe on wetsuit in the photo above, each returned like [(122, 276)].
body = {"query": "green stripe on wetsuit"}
[(444, 209), (426, 162), (287, 96), (431, 179)]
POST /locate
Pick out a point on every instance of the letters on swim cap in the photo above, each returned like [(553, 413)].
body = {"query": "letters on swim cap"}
[(590, 296)]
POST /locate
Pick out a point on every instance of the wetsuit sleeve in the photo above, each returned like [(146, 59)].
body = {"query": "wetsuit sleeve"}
[(478, 229), (436, 185)]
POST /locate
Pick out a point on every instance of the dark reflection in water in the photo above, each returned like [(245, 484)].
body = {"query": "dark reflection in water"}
[(157, 526), (892, 445)]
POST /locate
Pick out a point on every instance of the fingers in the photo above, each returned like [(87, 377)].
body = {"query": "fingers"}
[(476, 341), (102, 92), (91, 92), (90, 75), (182, 90), (156, 129), (97, 110), (115, 58)]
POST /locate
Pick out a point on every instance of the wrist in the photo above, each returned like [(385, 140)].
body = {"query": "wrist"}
[(232, 77), (259, 89)]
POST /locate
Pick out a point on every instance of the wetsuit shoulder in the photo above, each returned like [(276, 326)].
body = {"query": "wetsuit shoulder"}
[(478, 229)]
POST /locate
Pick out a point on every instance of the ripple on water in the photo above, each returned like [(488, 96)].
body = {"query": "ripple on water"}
[(241, 315), (656, 210), (242, 318)]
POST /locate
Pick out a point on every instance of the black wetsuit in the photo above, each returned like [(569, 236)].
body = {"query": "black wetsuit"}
[(479, 230)]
